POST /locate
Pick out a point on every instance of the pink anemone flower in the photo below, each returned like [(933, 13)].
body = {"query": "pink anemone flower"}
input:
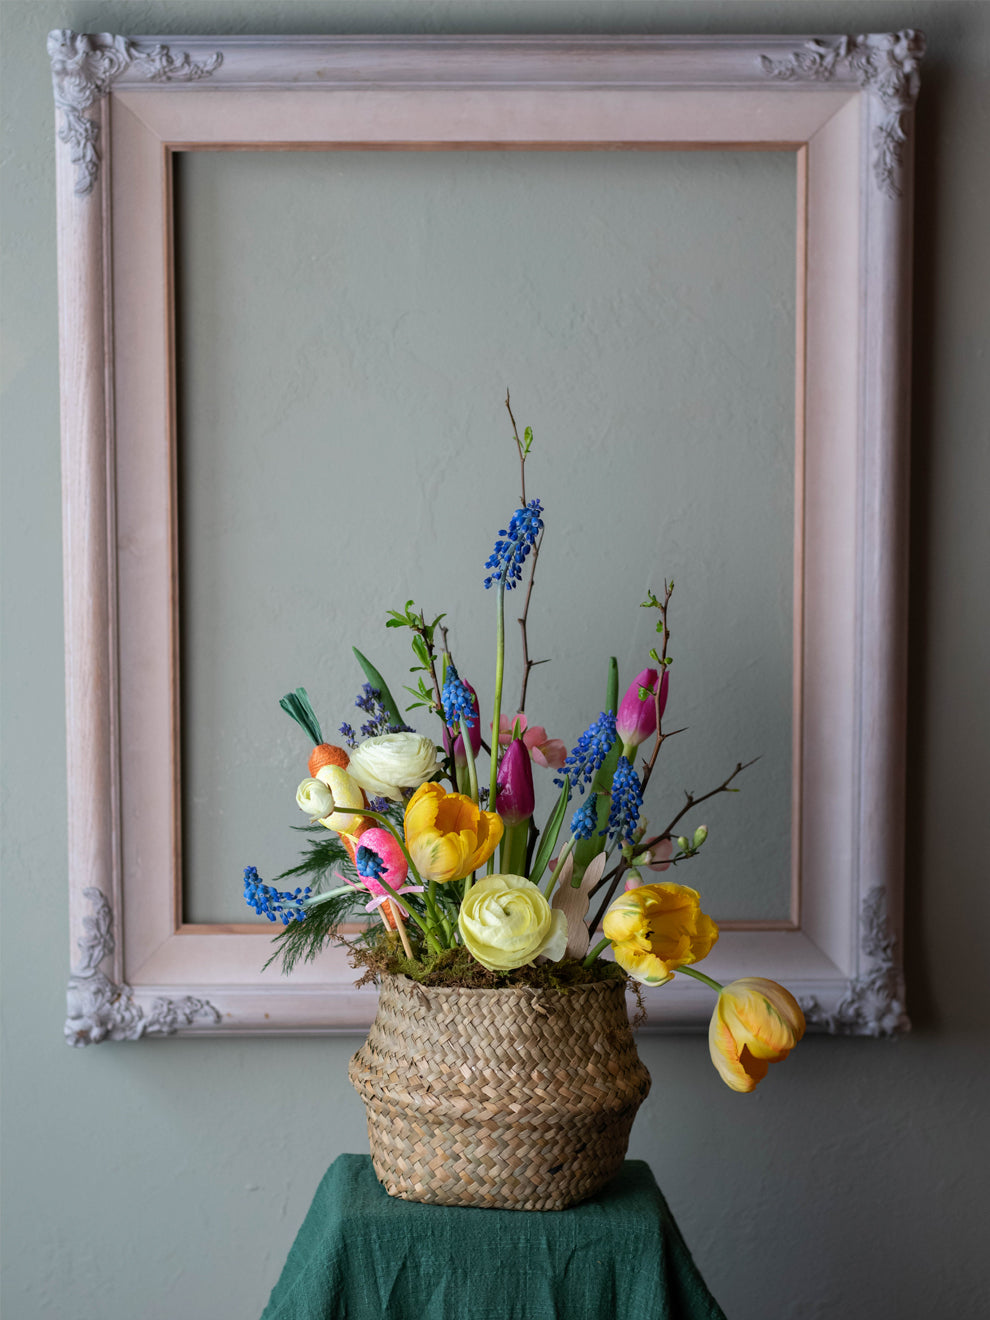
[(548, 752)]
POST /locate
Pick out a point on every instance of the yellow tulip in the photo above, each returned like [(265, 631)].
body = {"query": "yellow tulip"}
[(655, 928), (447, 835), (756, 1022)]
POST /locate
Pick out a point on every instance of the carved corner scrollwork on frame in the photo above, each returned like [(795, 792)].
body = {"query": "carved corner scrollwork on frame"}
[(97, 1009), (886, 65), (873, 1005), (84, 67)]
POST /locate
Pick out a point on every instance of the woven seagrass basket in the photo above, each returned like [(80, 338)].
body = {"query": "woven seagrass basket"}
[(518, 1099)]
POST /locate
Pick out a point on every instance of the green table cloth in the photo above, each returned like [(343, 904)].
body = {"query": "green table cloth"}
[(363, 1255)]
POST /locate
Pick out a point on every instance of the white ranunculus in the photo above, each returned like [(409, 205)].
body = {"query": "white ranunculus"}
[(506, 922), (385, 765), (314, 798)]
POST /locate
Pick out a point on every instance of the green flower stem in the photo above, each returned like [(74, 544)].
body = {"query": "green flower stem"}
[(431, 906), (565, 852), (514, 843), (414, 916), (472, 770), (327, 894), (593, 955), (700, 976), (497, 716)]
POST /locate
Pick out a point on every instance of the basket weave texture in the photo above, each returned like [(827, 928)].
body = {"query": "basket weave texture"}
[(517, 1099)]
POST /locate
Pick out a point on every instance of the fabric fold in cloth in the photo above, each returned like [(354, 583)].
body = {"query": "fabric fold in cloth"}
[(363, 1255)]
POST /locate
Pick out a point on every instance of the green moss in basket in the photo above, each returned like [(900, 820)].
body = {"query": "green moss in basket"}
[(456, 967)]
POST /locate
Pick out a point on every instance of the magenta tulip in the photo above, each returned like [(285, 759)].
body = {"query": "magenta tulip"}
[(514, 797), (637, 717)]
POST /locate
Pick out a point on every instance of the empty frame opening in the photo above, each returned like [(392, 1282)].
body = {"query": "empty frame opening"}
[(347, 324)]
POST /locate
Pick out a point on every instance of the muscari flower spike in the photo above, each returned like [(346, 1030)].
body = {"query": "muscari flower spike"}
[(457, 701), (369, 865), (627, 799), (589, 752), (510, 553), (585, 819), (275, 904)]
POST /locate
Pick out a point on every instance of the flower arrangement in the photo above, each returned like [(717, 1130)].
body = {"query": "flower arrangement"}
[(402, 824)]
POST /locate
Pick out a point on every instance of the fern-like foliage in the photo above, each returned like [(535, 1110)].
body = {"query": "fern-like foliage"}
[(322, 865), (324, 854), (301, 941)]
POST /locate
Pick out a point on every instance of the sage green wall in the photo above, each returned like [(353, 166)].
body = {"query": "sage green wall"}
[(166, 1179)]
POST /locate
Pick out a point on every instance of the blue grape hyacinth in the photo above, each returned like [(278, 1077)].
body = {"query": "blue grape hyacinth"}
[(513, 546), (275, 904), (585, 819), (588, 754), (457, 700), (627, 800)]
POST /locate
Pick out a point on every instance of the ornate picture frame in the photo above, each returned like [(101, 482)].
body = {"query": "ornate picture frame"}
[(842, 104)]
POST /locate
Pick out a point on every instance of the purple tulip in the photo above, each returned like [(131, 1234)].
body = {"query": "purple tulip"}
[(514, 796), (637, 717)]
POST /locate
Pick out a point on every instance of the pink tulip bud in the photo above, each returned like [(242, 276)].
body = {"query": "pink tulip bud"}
[(637, 717), (460, 757), (514, 796)]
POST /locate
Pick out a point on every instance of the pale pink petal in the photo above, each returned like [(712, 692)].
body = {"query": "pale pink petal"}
[(659, 853), (507, 726), (552, 753)]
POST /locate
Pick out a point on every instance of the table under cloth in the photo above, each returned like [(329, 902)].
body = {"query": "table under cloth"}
[(364, 1255)]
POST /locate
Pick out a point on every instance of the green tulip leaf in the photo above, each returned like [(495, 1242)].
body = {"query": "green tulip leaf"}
[(550, 833)]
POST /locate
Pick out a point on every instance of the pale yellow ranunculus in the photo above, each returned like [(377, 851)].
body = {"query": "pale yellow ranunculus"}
[(448, 835), (314, 797), (756, 1022), (655, 928), (506, 922), (345, 793), (385, 765)]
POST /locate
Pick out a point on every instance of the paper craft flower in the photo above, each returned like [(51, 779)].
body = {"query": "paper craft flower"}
[(447, 835), (756, 1022), (506, 922), (544, 751), (655, 928), (385, 765)]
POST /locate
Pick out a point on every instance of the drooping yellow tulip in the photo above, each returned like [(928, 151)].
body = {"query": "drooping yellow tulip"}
[(756, 1022), (447, 835), (655, 928)]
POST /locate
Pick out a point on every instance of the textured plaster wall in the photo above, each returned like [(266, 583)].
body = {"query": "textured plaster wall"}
[(166, 1179)]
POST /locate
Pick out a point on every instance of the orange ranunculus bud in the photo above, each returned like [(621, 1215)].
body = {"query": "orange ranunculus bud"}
[(448, 835), (756, 1022), (655, 928)]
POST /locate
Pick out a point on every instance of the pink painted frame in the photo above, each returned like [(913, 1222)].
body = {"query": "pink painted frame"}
[(843, 104)]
